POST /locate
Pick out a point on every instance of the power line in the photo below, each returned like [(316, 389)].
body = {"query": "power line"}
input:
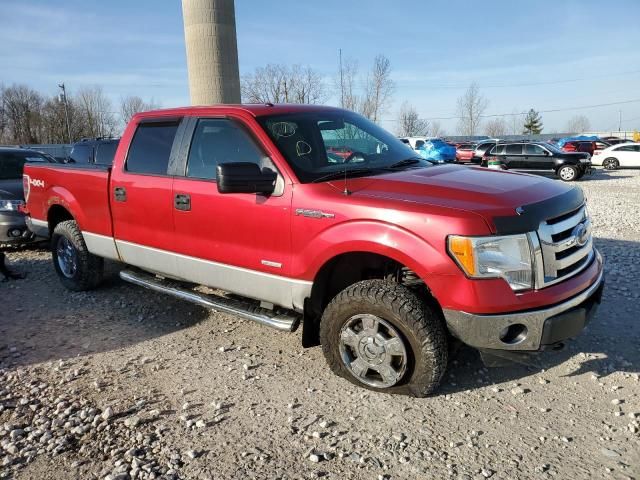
[(565, 109), (533, 84)]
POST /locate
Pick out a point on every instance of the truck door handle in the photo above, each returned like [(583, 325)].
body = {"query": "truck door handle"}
[(120, 194), (182, 202)]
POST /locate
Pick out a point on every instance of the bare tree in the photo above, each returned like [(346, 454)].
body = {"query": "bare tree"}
[(496, 127), (378, 89), (436, 130), (21, 114), (471, 106), (410, 123), (578, 124), (97, 112), (133, 104), (346, 86), (283, 84)]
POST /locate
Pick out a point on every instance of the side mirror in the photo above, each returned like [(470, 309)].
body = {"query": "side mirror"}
[(545, 153), (245, 177)]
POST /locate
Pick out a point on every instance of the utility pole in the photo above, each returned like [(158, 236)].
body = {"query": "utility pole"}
[(619, 120), (66, 109), (341, 80)]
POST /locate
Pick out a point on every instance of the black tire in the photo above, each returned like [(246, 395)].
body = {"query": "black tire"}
[(89, 268), (567, 173), (610, 163), (421, 328)]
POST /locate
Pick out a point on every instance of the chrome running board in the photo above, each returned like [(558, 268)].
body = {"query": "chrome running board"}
[(287, 321)]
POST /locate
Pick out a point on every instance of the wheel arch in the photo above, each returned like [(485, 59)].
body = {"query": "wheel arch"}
[(345, 269)]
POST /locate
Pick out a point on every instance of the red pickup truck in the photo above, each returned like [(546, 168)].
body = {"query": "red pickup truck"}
[(385, 258)]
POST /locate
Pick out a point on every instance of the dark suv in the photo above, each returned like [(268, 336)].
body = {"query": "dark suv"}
[(94, 151), (13, 229), (541, 157)]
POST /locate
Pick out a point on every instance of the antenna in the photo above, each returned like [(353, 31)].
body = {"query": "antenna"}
[(341, 80), (346, 190)]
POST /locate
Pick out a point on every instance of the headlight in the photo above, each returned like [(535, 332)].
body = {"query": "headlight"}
[(507, 257), (10, 205)]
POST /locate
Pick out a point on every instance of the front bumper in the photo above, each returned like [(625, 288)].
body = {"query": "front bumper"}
[(530, 330), (13, 228)]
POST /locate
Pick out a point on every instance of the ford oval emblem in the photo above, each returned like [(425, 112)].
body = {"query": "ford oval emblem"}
[(581, 234)]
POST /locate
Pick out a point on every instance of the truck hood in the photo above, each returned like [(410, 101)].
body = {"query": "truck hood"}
[(493, 194), (11, 189)]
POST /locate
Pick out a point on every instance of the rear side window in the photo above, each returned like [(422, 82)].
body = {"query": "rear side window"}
[(105, 153), (217, 141), (626, 148), (81, 154), (515, 149), (11, 166), (151, 148)]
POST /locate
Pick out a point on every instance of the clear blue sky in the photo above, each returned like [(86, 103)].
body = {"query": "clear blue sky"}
[(575, 53)]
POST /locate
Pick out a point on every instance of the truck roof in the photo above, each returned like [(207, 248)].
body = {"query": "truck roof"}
[(255, 109)]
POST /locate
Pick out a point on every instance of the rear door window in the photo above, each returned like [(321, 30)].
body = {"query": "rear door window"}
[(150, 148), (534, 149), (514, 149)]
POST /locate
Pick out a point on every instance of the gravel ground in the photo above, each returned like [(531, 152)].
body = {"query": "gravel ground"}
[(121, 382)]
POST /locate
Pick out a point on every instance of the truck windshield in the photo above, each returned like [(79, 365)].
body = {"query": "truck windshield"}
[(319, 144)]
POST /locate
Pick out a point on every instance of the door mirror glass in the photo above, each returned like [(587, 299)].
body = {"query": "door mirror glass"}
[(245, 177)]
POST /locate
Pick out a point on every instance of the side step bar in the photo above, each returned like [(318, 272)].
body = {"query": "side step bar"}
[(286, 322)]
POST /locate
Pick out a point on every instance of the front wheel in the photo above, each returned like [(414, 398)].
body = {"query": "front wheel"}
[(379, 335), (568, 173), (611, 163), (78, 269)]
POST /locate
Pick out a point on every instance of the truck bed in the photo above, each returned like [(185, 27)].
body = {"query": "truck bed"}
[(83, 191)]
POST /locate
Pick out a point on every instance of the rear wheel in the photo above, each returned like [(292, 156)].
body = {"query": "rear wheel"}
[(611, 163), (568, 173), (379, 335), (77, 268)]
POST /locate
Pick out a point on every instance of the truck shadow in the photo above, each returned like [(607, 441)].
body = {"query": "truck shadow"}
[(609, 344), (42, 321)]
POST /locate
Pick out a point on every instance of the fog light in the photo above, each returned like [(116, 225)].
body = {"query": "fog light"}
[(513, 334)]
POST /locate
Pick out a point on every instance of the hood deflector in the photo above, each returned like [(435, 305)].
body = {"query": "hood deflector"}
[(534, 213)]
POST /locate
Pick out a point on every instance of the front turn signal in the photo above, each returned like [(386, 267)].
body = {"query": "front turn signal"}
[(462, 250)]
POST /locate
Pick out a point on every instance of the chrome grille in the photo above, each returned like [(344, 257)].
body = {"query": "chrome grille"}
[(565, 247)]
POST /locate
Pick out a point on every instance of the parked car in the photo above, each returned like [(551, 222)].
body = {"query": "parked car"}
[(381, 258), (618, 156), (342, 152), (13, 229), (415, 143), (584, 146), (464, 152), (617, 140), (438, 151), (481, 150), (94, 151), (541, 157)]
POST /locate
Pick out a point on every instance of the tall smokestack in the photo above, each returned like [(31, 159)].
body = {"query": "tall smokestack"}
[(212, 51)]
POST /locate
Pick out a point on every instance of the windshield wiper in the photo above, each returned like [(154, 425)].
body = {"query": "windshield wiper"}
[(345, 173), (405, 163)]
